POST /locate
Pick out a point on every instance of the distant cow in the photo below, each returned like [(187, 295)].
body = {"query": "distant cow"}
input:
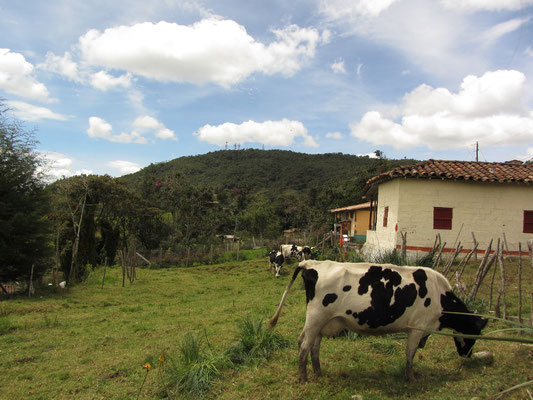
[(377, 299), (305, 253), (276, 261), (289, 250)]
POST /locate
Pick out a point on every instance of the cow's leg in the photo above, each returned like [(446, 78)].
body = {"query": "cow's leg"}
[(315, 353), (308, 338), (422, 342), (414, 339), (278, 269)]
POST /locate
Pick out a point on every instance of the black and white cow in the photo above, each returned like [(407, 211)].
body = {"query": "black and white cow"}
[(289, 250), (377, 299), (276, 261), (306, 253)]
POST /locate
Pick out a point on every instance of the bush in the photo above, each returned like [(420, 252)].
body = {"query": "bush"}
[(389, 257), (193, 374), (254, 343)]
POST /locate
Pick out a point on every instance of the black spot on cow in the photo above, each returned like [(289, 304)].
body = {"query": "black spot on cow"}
[(385, 288), (310, 277), (355, 315), (420, 278), (467, 324), (328, 299), (346, 288), (348, 312), (427, 302)]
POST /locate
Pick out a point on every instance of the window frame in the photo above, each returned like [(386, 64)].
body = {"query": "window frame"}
[(443, 218), (528, 221)]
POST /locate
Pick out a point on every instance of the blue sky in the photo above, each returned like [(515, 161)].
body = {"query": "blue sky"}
[(112, 86)]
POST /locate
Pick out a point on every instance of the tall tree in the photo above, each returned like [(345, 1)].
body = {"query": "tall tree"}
[(24, 229)]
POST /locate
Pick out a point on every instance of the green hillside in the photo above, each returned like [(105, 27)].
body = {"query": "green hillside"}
[(271, 170)]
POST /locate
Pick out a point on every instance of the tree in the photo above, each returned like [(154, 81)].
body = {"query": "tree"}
[(24, 230)]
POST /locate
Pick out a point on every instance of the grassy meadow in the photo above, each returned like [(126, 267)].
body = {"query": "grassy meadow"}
[(92, 343)]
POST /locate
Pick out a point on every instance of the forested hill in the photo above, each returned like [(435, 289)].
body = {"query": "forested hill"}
[(270, 170)]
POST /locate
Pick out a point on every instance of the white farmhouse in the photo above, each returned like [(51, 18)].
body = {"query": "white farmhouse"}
[(453, 199)]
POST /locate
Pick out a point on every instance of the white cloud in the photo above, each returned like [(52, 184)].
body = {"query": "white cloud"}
[(124, 167), (103, 81), (338, 67), (211, 50), (353, 9), (334, 135), (16, 77), (62, 66), (489, 109), (489, 5), (528, 156), (273, 133), (55, 165), (444, 48), (29, 112), (100, 128), (147, 123), (497, 31), (529, 51)]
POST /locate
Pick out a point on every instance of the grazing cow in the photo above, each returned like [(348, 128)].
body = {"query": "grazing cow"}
[(272, 257), (377, 299), (276, 261), (306, 252), (289, 250)]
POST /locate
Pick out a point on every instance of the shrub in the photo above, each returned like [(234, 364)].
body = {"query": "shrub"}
[(254, 343), (389, 257), (193, 374)]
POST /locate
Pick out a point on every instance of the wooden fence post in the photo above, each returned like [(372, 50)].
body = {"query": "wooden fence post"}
[(476, 243), (519, 282)]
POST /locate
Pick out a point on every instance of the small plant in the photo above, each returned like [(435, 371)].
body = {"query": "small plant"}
[(193, 374), (147, 367), (389, 257), (254, 343), (383, 347), (424, 260), (5, 325)]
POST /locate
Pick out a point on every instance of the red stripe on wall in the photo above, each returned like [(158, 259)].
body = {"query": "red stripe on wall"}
[(450, 250)]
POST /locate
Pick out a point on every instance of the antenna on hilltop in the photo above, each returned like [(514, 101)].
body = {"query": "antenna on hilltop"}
[(477, 151)]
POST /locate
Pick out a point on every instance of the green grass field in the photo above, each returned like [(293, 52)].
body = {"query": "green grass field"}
[(89, 343)]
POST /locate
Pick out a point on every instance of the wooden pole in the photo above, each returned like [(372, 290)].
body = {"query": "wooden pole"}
[(519, 282), (452, 259), (105, 267), (501, 294), (463, 263), (404, 247), (475, 245), (509, 258), (437, 260)]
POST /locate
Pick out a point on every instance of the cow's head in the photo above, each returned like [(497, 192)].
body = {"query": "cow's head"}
[(455, 315), (464, 345)]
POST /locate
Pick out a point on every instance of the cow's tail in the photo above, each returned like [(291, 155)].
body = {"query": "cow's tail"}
[(274, 319)]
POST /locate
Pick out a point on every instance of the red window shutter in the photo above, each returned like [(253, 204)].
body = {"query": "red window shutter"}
[(528, 221), (385, 216), (442, 218)]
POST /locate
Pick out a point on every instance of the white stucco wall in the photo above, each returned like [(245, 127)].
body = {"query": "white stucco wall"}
[(486, 209)]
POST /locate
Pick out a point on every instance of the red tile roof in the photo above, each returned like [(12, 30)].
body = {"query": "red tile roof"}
[(507, 172)]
